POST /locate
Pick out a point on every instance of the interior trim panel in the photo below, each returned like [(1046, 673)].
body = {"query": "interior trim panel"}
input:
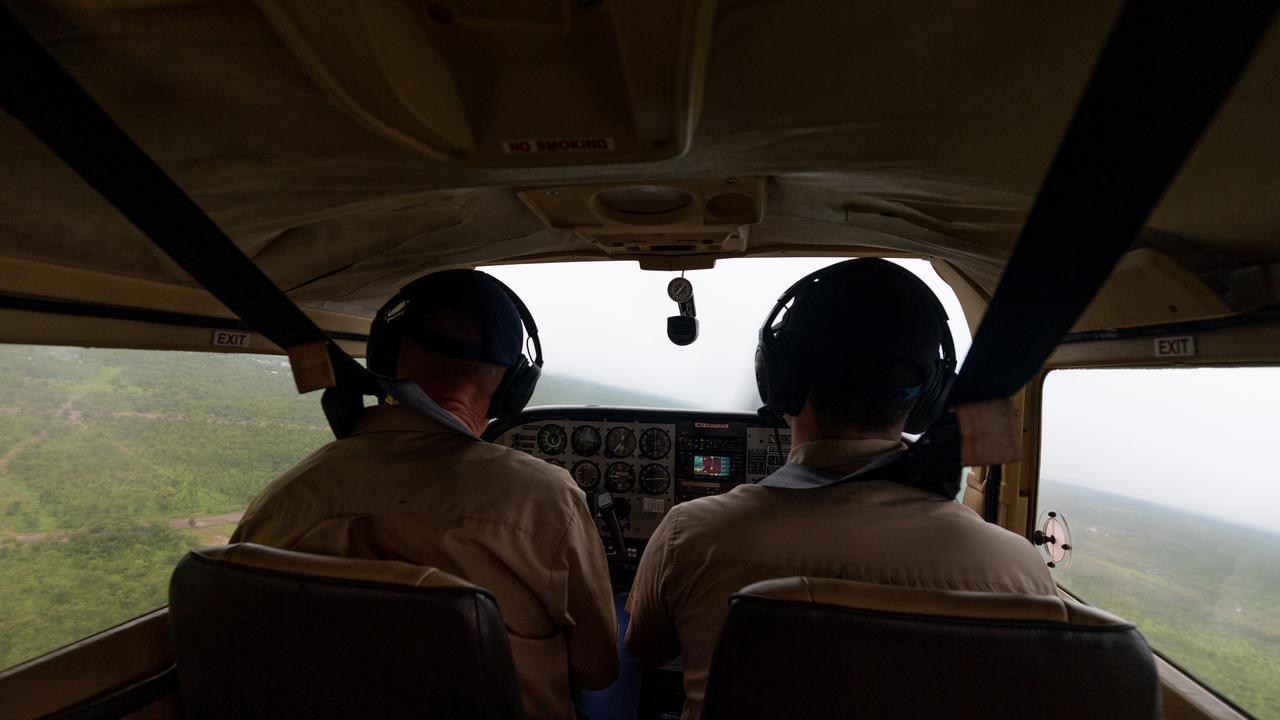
[(91, 668)]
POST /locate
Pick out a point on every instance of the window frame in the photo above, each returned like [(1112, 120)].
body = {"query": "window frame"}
[(1033, 434)]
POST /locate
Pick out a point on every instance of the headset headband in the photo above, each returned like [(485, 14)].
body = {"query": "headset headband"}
[(779, 375), (798, 287), (526, 317)]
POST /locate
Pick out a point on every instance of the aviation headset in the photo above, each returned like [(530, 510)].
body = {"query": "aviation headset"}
[(779, 374), (518, 382)]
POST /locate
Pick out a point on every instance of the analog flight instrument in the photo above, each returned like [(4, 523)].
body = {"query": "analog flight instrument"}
[(586, 474), (552, 439), (586, 441), (620, 442), (555, 461), (680, 290), (654, 479), (619, 478), (655, 443)]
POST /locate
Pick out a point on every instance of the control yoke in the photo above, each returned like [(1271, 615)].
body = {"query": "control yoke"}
[(604, 504)]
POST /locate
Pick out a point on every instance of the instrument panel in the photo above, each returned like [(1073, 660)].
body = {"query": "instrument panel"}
[(649, 460)]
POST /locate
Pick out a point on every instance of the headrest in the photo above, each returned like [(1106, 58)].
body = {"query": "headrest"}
[(388, 572), (942, 603)]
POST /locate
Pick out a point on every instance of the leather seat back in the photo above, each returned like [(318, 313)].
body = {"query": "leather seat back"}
[(822, 648), (261, 632)]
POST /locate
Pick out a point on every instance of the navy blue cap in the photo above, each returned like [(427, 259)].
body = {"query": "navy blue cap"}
[(478, 296)]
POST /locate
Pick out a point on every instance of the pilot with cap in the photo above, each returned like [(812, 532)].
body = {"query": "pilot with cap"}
[(419, 486), (853, 355)]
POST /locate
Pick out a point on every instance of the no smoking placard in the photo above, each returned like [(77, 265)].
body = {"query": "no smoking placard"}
[(551, 146)]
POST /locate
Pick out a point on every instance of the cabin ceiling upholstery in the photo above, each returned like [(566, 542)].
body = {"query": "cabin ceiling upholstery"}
[(908, 128)]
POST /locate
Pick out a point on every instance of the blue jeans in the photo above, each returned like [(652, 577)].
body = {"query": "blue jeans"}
[(621, 700)]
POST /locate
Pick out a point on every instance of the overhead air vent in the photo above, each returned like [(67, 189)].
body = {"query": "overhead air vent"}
[(492, 83), (708, 217)]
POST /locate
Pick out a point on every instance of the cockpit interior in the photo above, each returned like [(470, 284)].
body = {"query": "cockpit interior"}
[(205, 203)]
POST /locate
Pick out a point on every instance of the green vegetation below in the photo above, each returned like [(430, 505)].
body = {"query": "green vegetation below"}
[(53, 593), (114, 462), (1205, 593), (108, 457)]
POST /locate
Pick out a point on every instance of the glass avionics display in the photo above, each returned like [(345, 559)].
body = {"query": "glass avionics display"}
[(716, 466)]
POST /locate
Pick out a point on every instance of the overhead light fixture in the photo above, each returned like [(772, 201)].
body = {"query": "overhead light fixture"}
[(645, 199)]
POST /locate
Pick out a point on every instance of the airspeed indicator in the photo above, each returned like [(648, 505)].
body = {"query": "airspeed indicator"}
[(552, 439)]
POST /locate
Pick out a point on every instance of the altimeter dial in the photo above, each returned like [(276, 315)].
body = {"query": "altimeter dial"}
[(620, 442)]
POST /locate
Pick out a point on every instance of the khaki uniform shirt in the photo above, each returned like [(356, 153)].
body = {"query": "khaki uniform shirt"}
[(403, 487), (873, 531)]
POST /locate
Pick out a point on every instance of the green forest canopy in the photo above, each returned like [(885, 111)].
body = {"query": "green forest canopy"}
[(106, 456)]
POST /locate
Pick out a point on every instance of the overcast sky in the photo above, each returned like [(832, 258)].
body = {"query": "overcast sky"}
[(607, 322), (1202, 440)]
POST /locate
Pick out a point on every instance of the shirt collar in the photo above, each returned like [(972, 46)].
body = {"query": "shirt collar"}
[(840, 456), (409, 394), (828, 462), (396, 418)]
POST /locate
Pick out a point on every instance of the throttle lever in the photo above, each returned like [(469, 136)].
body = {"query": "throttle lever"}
[(604, 504)]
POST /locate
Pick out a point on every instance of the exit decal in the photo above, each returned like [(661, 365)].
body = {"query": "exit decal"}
[(1182, 346), (227, 338)]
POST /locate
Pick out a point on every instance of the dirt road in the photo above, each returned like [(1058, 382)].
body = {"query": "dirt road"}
[(13, 451), (200, 522), (181, 523)]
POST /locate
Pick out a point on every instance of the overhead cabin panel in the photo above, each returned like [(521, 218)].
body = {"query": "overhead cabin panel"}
[(484, 82), (891, 129)]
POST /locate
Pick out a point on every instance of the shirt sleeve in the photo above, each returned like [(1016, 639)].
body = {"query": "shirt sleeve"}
[(593, 634), (651, 633)]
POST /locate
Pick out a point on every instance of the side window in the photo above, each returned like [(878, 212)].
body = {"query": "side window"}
[(114, 462), (1170, 483)]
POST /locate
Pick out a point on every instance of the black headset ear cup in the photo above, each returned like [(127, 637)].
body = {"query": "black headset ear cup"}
[(779, 374), (932, 398), (515, 390), (762, 375), (383, 344)]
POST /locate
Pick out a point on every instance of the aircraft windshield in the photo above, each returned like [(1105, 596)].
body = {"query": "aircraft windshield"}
[(603, 329)]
